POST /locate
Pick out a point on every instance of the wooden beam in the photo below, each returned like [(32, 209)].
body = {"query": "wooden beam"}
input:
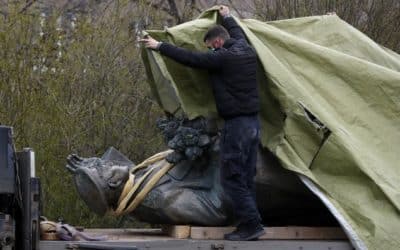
[(177, 231), (274, 233), (217, 233)]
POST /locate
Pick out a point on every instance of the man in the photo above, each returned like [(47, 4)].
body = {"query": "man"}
[(232, 67)]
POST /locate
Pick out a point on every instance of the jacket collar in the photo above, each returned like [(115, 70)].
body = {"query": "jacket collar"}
[(228, 43)]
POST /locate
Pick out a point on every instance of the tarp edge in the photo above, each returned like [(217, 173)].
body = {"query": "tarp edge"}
[(354, 238)]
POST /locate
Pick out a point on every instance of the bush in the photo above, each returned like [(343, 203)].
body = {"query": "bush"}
[(78, 90)]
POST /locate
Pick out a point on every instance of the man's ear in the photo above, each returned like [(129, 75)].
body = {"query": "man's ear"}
[(221, 42)]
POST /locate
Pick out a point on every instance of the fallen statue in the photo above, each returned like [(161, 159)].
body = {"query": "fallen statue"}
[(182, 185)]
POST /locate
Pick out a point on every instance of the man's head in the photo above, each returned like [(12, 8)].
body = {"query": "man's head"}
[(216, 37)]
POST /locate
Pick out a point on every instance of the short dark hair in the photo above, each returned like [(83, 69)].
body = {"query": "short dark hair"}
[(216, 31)]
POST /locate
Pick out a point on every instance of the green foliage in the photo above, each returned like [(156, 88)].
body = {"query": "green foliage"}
[(74, 90)]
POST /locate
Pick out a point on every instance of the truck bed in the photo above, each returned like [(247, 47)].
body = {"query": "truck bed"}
[(155, 239)]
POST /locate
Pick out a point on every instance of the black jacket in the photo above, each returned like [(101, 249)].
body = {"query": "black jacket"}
[(232, 71)]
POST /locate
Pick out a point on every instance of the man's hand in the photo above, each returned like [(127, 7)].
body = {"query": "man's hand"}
[(150, 42), (224, 11)]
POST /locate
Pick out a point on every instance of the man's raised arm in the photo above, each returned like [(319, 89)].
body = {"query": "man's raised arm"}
[(203, 60), (230, 24), (195, 59)]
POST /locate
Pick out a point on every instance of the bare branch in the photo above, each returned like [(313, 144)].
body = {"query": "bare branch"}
[(26, 7)]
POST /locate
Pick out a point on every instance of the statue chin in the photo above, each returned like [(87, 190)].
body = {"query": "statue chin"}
[(190, 192)]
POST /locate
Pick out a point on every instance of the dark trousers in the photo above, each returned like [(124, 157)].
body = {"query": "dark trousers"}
[(239, 143)]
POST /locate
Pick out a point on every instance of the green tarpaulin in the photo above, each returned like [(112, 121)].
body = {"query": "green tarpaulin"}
[(330, 111)]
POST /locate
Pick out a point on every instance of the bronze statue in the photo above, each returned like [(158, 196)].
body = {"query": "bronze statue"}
[(190, 192)]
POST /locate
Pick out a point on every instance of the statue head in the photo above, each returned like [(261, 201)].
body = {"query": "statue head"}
[(99, 181)]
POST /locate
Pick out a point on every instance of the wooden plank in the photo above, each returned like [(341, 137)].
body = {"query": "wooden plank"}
[(217, 233), (128, 234), (273, 233), (133, 231), (177, 231)]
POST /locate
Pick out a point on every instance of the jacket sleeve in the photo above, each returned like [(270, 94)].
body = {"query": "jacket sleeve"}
[(203, 60), (233, 28)]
